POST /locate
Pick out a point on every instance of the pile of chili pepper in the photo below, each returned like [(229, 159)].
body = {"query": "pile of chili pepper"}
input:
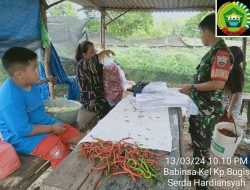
[(122, 158)]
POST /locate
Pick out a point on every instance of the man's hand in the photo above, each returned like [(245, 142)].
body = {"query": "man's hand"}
[(186, 89), (102, 54), (108, 52), (57, 128)]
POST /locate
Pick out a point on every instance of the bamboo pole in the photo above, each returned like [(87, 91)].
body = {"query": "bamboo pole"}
[(46, 62), (103, 30)]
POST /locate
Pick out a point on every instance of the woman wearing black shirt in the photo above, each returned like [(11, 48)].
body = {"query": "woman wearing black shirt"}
[(232, 98), (89, 74)]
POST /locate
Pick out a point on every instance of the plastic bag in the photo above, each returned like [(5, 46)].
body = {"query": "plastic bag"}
[(156, 87), (114, 81), (157, 94), (9, 161)]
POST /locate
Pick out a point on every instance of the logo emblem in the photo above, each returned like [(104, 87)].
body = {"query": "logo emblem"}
[(233, 18), (56, 152), (222, 61)]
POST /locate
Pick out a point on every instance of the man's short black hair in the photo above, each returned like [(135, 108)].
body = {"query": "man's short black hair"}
[(17, 58), (208, 22)]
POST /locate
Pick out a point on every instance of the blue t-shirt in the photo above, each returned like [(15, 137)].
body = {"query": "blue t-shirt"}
[(20, 111)]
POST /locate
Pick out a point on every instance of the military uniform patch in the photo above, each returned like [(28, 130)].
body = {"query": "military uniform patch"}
[(222, 61), (221, 65)]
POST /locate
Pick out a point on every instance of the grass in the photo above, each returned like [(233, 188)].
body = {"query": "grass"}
[(173, 65), (169, 60)]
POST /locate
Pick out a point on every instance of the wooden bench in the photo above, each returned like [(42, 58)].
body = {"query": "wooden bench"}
[(32, 167)]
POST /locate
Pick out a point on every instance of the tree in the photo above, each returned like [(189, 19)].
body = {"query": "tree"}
[(126, 26), (161, 28), (192, 23), (131, 23), (94, 24), (62, 9)]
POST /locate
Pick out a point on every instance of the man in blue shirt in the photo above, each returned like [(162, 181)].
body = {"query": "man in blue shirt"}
[(23, 121)]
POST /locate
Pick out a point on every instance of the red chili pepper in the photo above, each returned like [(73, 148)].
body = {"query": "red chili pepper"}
[(101, 168), (134, 174), (118, 173), (154, 162), (152, 153), (122, 158)]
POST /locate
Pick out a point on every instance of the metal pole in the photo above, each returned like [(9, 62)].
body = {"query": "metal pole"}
[(244, 49), (103, 30)]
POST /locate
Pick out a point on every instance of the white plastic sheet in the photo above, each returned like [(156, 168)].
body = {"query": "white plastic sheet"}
[(157, 94), (150, 128)]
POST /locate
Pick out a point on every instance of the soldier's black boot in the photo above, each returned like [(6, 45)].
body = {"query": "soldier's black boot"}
[(192, 177), (202, 184), (201, 188)]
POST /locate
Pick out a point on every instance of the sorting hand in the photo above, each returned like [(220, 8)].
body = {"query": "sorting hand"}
[(57, 128), (186, 89)]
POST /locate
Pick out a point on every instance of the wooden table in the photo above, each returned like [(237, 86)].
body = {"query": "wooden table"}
[(73, 173)]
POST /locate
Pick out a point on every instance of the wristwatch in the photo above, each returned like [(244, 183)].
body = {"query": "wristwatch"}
[(192, 87)]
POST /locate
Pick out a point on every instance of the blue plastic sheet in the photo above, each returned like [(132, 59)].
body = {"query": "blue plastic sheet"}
[(20, 24), (44, 88), (58, 70)]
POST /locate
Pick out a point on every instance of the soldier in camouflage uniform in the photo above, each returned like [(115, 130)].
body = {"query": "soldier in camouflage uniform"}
[(206, 92)]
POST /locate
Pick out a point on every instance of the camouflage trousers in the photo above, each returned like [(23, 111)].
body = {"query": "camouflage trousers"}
[(201, 129)]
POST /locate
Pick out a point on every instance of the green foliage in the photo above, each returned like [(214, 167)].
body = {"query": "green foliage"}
[(62, 9), (166, 27), (168, 64), (94, 25), (166, 59), (138, 26), (191, 24), (3, 73), (141, 25), (172, 65), (128, 26), (160, 28)]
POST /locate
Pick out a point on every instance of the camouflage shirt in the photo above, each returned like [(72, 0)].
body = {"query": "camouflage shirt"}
[(215, 65)]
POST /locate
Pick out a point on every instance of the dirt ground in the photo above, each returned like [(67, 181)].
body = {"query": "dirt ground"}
[(187, 152), (242, 149)]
